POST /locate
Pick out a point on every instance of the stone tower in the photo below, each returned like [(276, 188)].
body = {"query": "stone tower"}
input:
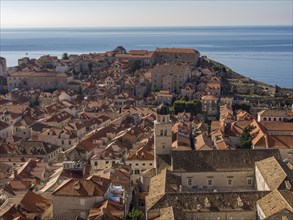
[(162, 132), (2, 66)]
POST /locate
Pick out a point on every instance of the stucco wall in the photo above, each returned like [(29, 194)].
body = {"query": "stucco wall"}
[(68, 207)]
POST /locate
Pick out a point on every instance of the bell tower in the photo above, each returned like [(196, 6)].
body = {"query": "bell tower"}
[(162, 132)]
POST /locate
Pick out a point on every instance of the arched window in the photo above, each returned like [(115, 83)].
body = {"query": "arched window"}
[(165, 133), (161, 132)]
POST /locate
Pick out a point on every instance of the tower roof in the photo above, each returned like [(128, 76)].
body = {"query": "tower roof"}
[(163, 109)]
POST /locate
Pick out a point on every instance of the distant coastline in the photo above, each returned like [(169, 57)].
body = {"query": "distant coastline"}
[(263, 53)]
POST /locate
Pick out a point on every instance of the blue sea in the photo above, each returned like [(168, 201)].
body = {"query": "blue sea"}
[(263, 53)]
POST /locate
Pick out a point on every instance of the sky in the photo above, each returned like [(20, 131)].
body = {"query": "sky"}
[(120, 13)]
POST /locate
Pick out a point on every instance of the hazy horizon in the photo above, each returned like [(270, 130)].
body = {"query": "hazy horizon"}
[(144, 13)]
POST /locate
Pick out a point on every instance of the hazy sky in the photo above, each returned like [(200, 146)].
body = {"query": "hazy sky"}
[(38, 13)]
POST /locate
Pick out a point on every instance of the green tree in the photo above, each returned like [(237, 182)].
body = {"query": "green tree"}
[(135, 214), (65, 56), (245, 138), (192, 106), (243, 106)]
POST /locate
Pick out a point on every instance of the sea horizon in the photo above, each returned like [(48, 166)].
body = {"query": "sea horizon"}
[(245, 49)]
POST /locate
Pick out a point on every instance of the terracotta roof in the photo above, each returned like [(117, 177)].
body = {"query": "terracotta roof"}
[(278, 126), (275, 113), (34, 203), (118, 176), (167, 213), (141, 154), (59, 117), (224, 160), (8, 212), (275, 203), (3, 125), (280, 141), (176, 50), (37, 74), (272, 172), (209, 97), (218, 201), (170, 68), (108, 209), (37, 148), (159, 185), (203, 141), (83, 187)]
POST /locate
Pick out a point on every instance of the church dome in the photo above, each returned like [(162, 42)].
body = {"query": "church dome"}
[(163, 109)]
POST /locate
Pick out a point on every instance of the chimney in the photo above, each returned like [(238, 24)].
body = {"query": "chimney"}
[(15, 173), (207, 203), (266, 140), (77, 185), (239, 201)]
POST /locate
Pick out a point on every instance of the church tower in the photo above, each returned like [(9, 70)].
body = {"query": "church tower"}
[(162, 132)]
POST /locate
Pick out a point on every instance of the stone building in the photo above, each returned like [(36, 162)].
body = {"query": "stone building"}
[(176, 55), (75, 197), (162, 132), (2, 66), (209, 105), (274, 115), (42, 80), (145, 57), (171, 77)]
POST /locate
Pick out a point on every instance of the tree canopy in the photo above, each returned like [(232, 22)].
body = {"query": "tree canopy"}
[(245, 138), (192, 106), (243, 106), (135, 214)]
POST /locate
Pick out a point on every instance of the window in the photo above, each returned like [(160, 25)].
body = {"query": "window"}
[(136, 171), (165, 133), (189, 181), (69, 142), (151, 164), (62, 142), (161, 132), (107, 161), (210, 182), (136, 164), (249, 182), (96, 163), (230, 182), (275, 119), (143, 164), (82, 202)]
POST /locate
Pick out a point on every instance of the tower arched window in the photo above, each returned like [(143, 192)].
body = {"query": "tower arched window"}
[(165, 133), (163, 119), (161, 132)]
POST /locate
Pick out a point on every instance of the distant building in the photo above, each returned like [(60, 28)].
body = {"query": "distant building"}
[(42, 80), (176, 55), (145, 57), (171, 77), (209, 105), (274, 115), (2, 66)]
